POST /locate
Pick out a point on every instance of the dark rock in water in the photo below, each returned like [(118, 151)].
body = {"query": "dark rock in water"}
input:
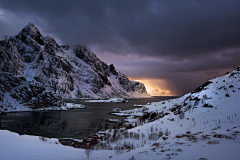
[(3, 113)]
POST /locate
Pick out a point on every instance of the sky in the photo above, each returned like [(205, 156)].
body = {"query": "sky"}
[(171, 46)]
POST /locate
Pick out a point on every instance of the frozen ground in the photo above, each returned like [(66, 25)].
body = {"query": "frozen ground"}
[(15, 147), (216, 144)]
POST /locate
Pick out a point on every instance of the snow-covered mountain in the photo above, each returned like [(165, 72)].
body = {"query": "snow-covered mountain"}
[(65, 71), (206, 119)]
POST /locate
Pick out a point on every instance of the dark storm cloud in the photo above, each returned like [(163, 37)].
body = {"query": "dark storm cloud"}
[(181, 37), (160, 28)]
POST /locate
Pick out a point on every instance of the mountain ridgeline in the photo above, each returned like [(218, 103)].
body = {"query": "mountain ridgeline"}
[(36, 72)]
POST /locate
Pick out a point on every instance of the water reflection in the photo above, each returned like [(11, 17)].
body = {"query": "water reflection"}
[(76, 123)]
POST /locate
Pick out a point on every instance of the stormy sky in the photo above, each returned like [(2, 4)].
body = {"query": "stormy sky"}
[(171, 46)]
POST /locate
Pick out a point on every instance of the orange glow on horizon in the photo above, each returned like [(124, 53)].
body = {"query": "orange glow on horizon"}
[(156, 87)]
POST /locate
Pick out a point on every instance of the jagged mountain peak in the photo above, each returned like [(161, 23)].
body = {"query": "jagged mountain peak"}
[(30, 25), (30, 30)]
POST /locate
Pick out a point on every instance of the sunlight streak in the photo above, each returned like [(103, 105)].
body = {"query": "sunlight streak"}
[(156, 87)]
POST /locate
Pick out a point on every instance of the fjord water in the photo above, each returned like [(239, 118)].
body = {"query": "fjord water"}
[(76, 123)]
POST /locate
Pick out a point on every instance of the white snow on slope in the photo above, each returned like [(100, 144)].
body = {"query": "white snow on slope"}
[(24, 147), (213, 108)]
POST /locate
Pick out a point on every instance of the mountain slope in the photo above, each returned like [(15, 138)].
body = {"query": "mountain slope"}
[(206, 119), (69, 72), (18, 94)]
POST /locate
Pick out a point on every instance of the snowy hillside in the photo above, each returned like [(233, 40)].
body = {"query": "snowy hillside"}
[(206, 119), (67, 71), (201, 125)]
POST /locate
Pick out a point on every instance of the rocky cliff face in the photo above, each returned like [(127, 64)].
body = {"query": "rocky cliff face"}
[(21, 95), (60, 70)]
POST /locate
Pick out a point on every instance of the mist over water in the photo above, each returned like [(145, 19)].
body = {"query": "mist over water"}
[(76, 123)]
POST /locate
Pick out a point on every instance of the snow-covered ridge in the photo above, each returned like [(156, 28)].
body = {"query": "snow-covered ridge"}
[(212, 94), (67, 71), (206, 119)]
